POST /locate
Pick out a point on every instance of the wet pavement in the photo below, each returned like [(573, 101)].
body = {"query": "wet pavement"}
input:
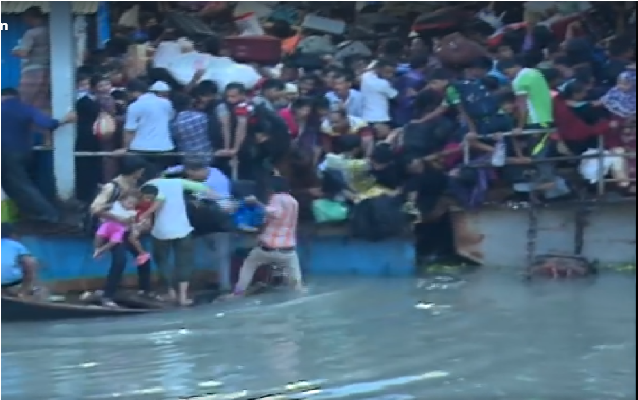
[(490, 338)]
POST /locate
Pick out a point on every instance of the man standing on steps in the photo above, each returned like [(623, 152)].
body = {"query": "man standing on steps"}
[(172, 232), (218, 242)]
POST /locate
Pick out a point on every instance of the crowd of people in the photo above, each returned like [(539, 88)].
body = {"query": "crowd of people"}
[(368, 139)]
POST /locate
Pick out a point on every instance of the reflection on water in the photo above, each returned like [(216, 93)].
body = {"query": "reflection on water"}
[(489, 338)]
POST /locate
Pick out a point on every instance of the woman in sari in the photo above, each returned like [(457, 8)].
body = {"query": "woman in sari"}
[(621, 103)]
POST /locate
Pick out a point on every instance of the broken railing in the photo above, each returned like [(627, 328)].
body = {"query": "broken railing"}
[(583, 211), (600, 156)]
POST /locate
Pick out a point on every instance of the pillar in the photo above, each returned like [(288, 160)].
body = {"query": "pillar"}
[(63, 94)]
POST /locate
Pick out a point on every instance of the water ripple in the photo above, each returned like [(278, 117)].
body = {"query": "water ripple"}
[(488, 337)]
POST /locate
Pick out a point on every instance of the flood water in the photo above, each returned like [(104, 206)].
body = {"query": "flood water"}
[(490, 338)]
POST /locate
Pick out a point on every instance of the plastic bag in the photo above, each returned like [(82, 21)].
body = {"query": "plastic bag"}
[(325, 210), (590, 167), (104, 126)]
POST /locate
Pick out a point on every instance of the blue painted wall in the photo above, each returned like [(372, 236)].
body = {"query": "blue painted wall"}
[(64, 259), (43, 162)]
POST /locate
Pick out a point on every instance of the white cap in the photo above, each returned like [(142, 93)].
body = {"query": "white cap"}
[(160, 86)]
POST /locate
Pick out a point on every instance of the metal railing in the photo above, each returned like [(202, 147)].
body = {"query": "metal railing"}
[(600, 156), (233, 161)]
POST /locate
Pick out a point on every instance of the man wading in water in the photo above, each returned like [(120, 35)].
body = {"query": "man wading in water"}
[(277, 244)]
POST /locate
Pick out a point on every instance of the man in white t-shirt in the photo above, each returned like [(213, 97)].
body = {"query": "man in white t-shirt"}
[(147, 127), (377, 91), (172, 232)]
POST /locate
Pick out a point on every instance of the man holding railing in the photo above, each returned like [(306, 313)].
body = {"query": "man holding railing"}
[(535, 111), (17, 149)]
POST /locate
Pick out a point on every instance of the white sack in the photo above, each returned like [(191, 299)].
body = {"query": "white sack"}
[(221, 70)]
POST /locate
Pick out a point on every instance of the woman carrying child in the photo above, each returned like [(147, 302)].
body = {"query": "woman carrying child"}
[(138, 212)]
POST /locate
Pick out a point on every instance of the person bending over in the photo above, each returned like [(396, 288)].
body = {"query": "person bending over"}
[(18, 265)]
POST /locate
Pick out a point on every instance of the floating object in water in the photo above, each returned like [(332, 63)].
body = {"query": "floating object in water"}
[(424, 306)]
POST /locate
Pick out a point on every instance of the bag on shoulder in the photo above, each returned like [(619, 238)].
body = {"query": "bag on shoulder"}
[(104, 126), (378, 218), (91, 222)]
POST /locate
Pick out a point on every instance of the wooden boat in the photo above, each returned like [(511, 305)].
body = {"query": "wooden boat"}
[(20, 309)]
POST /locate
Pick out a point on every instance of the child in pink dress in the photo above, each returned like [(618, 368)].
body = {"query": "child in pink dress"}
[(111, 232)]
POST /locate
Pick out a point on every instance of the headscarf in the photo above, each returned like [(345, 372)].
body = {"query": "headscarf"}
[(621, 102)]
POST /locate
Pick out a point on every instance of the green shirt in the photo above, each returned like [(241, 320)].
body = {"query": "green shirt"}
[(452, 97), (531, 83), (187, 184)]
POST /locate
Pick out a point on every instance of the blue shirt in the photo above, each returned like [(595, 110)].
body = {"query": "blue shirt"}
[(12, 250), (354, 103), (17, 121), (216, 180)]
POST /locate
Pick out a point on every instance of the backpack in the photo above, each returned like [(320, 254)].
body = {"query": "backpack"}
[(91, 222), (378, 218), (476, 99), (206, 216)]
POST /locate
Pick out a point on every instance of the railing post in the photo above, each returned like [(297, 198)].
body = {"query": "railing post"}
[(63, 94), (466, 152), (601, 166)]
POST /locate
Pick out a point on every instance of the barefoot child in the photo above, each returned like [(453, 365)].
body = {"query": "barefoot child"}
[(111, 232)]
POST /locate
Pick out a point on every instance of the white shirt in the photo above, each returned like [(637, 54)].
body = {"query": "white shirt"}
[(376, 93), (149, 117), (119, 211), (171, 220), (166, 53), (353, 104)]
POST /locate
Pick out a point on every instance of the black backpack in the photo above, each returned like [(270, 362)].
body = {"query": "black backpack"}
[(378, 218), (206, 216)]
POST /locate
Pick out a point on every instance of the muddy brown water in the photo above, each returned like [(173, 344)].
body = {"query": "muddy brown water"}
[(491, 337)]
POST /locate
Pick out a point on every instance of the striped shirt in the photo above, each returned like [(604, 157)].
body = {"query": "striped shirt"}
[(280, 230)]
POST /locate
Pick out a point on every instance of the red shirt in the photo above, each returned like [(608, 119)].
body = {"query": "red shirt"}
[(141, 208)]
